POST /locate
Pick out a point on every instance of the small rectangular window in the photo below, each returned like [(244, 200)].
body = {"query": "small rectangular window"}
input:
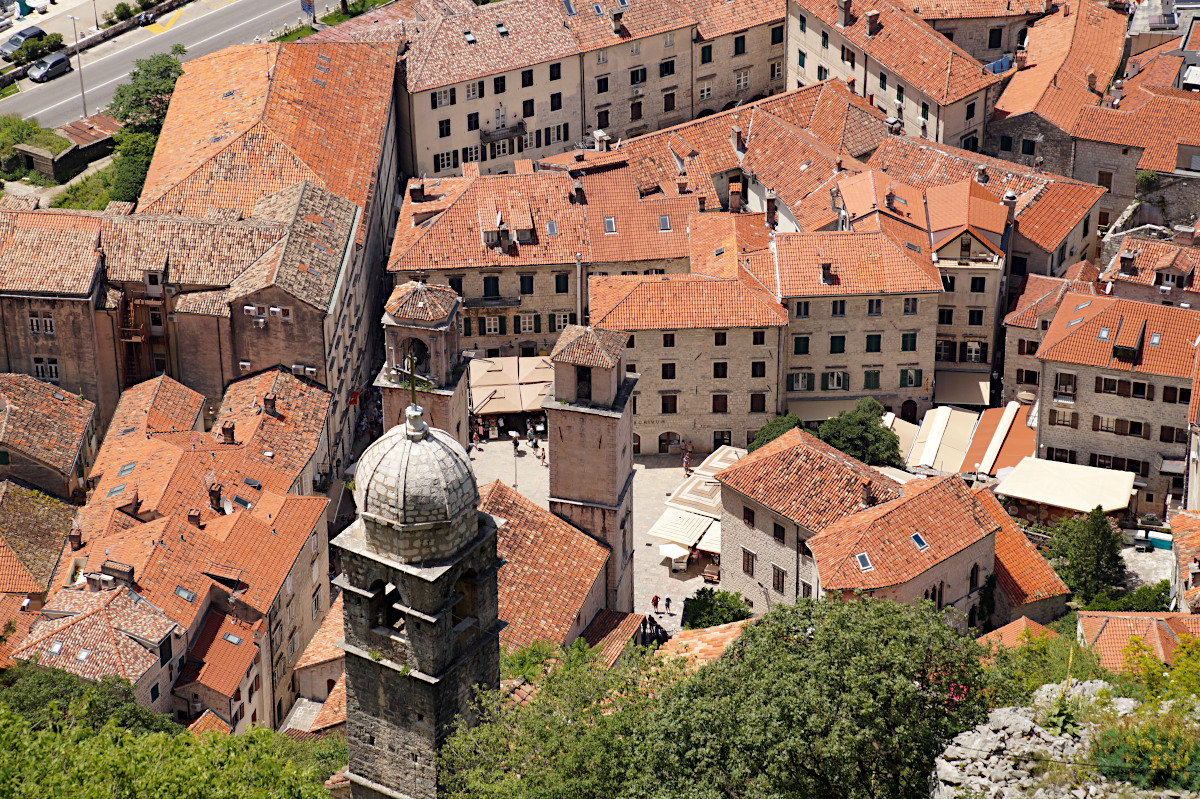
[(748, 562), (779, 533), (668, 339), (778, 578), (610, 224), (748, 516)]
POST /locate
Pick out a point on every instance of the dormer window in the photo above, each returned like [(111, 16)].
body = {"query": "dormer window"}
[(491, 237), (524, 236)]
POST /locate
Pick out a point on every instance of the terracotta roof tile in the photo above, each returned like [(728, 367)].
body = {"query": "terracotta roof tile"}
[(1048, 207), (421, 302), (611, 632), (49, 252), (1020, 569), (1016, 633), (1063, 49), (333, 709), (323, 647), (11, 610), (973, 9), (1075, 335), (719, 18), (804, 479), (226, 648), (640, 20), (941, 510), (717, 240), (590, 346), (1108, 634), (704, 645), (209, 722), (33, 530), (43, 421), (668, 302), (549, 572), (1041, 295), (1153, 257)]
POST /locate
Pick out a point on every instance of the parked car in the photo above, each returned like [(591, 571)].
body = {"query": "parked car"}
[(19, 38), (49, 67)]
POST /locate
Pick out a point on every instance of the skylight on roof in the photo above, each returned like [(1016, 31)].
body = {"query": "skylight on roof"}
[(185, 594), (59, 396), (82, 655), (233, 639), (718, 251), (1155, 338), (228, 94), (325, 58), (1103, 335), (322, 69), (112, 492), (664, 223), (921, 543), (470, 37), (313, 271), (320, 246), (623, 3), (501, 29), (327, 223), (1074, 322), (1083, 305), (911, 246), (245, 503), (127, 468), (570, 7), (250, 481), (551, 228), (610, 224), (599, 11), (319, 82), (55, 647), (864, 562), (127, 431)]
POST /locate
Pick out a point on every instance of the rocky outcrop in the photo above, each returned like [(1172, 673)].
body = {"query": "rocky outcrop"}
[(1011, 755)]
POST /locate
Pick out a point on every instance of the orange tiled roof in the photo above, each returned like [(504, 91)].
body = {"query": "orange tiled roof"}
[(43, 421), (1152, 257), (33, 529), (670, 302), (158, 405), (1020, 569), (940, 509), (640, 20), (226, 648), (96, 633), (250, 120), (910, 49), (1041, 295), (550, 569), (974, 9), (718, 239), (1146, 74), (1075, 335), (22, 622), (1108, 634), (1016, 633), (333, 709), (1185, 530), (421, 302), (1158, 126), (715, 18), (611, 631), (49, 252), (1084, 272), (209, 722), (1063, 49), (323, 647), (705, 645), (1048, 206), (590, 346), (804, 479)]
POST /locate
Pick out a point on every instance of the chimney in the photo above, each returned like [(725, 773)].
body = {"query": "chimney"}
[(269, 402), (681, 185), (850, 84), (194, 517), (981, 175), (837, 166), (579, 155), (1091, 79), (120, 572), (227, 432), (889, 200), (738, 139), (1127, 260), (1010, 200), (827, 274), (872, 22), (735, 198), (214, 497), (1022, 59), (93, 581), (1118, 91), (616, 21), (75, 537), (700, 203), (505, 238), (843, 13), (770, 208), (835, 194), (1066, 10), (577, 188), (868, 495), (416, 191)]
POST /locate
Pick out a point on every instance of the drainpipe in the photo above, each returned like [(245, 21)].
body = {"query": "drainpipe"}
[(580, 287)]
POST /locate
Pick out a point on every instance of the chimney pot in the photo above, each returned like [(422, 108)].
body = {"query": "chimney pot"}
[(700, 203), (872, 22), (269, 402), (214, 496), (981, 175), (735, 197), (76, 539), (579, 156), (827, 273), (843, 13), (868, 495), (577, 187), (194, 517), (227, 429), (416, 191), (1091, 80), (771, 208)]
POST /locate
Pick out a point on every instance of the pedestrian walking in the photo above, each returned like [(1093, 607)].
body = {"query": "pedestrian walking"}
[(667, 604), (516, 445), (687, 461), (542, 455), (654, 602)]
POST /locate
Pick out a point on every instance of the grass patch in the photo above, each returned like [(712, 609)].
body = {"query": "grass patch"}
[(8, 91), (48, 140), (356, 8), (299, 33), (89, 194)]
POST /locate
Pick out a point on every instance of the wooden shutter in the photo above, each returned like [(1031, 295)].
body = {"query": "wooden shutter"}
[(1124, 388), (537, 323), (1053, 417), (919, 382), (1075, 420), (566, 131), (983, 352), (1150, 391), (962, 351), (1145, 472), (1092, 461), (483, 153), (455, 164), (572, 320), (517, 323), (1170, 394), (1146, 430), (1021, 347), (845, 381), (824, 381), (537, 138), (466, 325), (433, 100), (1166, 434), (452, 98), (481, 94), (503, 319), (1095, 422), (520, 144), (1122, 427), (1070, 456)]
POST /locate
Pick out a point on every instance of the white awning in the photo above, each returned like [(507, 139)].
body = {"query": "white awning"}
[(680, 527), (961, 388), (819, 410), (1067, 485), (1173, 466), (721, 458), (672, 551), (711, 540)]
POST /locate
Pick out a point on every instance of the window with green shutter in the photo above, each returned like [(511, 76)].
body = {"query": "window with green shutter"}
[(800, 345), (874, 342), (791, 381), (503, 325), (824, 381), (537, 323), (871, 378), (908, 342), (466, 325), (837, 344)]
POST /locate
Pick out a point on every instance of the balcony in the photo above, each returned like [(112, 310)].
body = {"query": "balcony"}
[(1064, 396), (493, 302), (133, 335), (500, 134)]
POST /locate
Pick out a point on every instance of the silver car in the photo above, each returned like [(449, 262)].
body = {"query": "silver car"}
[(50, 66)]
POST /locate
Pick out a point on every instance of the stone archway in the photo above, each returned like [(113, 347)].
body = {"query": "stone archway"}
[(666, 441), (908, 411), (420, 353)]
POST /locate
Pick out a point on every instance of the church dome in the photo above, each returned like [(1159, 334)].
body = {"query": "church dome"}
[(415, 475)]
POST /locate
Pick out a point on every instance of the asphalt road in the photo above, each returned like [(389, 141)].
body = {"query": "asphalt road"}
[(203, 27)]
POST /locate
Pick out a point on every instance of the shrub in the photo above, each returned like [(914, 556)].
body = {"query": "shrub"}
[(773, 430), (146, 5), (123, 11), (1156, 752), (1147, 180), (710, 607), (34, 49), (1146, 599), (110, 19)]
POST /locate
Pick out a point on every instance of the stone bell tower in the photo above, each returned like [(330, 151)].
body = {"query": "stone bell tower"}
[(590, 437), (421, 626)]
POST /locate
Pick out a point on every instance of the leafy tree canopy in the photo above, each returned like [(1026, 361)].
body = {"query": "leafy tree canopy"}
[(141, 104), (1086, 553), (860, 434), (1154, 598), (709, 607), (134, 153), (773, 430)]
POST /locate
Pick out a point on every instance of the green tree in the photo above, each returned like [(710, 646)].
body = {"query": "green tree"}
[(34, 49), (819, 699), (135, 151), (860, 434), (773, 430), (42, 697), (141, 104), (1086, 553), (709, 607), (529, 662), (1154, 598)]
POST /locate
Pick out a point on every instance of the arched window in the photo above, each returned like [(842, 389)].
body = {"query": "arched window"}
[(972, 616), (974, 578)]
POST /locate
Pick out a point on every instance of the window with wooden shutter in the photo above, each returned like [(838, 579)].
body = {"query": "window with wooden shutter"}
[(1124, 388), (1053, 420), (1170, 394), (1021, 347), (748, 562), (503, 325), (466, 325), (1075, 420), (1099, 385), (1146, 430), (1095, 422), (1122, 427), (1150, 391)]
